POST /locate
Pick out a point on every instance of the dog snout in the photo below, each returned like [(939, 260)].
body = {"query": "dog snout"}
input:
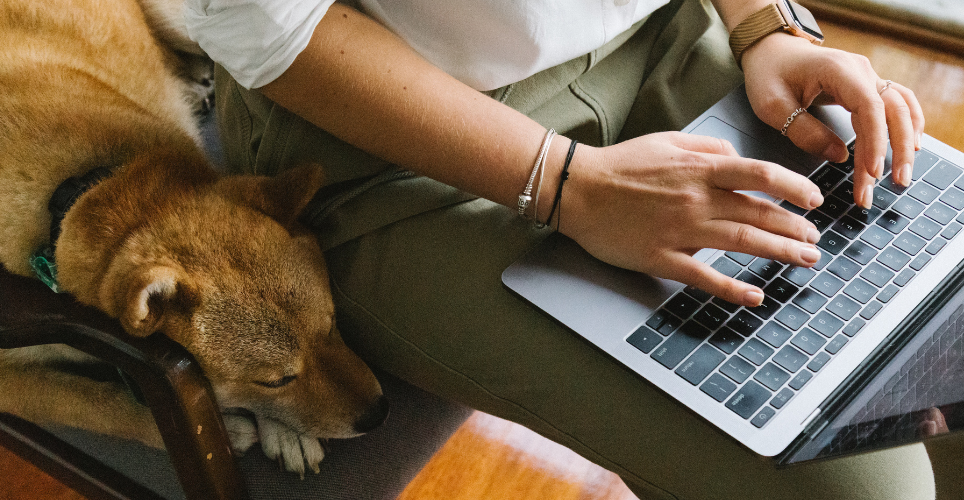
[(375, 416)]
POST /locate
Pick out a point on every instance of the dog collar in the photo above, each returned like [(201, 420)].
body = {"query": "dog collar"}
[(64, 197)]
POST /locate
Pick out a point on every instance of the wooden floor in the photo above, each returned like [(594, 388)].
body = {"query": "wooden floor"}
[(490, 459)]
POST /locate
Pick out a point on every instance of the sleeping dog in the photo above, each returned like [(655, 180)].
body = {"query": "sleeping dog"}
[(95, 120)]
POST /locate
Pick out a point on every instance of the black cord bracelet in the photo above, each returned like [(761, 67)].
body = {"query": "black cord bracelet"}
[(562, 180)]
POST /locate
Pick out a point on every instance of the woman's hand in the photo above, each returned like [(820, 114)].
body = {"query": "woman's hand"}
[(650, 203), (786, 72)]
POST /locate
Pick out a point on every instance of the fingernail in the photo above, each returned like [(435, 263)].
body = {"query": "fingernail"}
[(810, 254), (867, 199), (836, 153), (879, 168), (816, 199), (905, 173), (753, 298), (917, 143), (813, 236)]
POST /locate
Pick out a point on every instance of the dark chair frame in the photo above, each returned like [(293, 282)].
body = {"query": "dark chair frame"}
[(171, 381)]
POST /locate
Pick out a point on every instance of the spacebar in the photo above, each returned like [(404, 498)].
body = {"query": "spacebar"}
[(680, 344)]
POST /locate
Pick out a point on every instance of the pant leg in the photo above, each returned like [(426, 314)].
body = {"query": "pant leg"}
[(420, 294)]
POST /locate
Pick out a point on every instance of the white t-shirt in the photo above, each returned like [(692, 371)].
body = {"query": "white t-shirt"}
[(484, 43)]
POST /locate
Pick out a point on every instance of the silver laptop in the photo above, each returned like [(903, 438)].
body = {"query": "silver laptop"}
[(863, 351)]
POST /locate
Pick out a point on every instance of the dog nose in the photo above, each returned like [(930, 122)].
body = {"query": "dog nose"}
[(375, 416)]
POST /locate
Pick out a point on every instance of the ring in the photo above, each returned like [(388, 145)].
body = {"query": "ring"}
[(790, 119), (887, 84)]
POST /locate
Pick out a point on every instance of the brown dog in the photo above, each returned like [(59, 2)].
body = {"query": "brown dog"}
[(163, 243)]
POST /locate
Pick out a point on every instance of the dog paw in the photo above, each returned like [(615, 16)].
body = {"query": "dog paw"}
[(198, 75), (242, 432), (292, 450)]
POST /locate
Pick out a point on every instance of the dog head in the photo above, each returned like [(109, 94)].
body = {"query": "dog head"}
[(225, 271)]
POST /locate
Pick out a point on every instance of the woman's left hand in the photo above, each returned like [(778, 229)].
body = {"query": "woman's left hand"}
[(785, 72)]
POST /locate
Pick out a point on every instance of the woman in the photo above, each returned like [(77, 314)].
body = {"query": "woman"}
[(415, 259)]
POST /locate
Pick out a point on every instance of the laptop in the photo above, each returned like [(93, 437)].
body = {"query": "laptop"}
[(863, 351)]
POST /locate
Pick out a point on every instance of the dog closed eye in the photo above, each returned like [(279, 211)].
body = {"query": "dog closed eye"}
[(281, 382)]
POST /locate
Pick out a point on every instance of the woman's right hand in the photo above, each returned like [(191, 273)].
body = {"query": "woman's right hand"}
[(650, 203)]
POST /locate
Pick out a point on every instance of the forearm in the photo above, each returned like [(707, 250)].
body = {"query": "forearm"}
[(362, 84), (734, 11)]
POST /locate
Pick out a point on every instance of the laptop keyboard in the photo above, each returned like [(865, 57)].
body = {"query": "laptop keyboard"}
[(754, 360)]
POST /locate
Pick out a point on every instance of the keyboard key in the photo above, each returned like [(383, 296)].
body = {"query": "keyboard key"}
[(877, 274), (819, 219), (893, 221), (682, 305), (923, 193), (853, 327), (883, 198), (887, 293), (737, 369), (832, 242), (786, 205), (792, 317), (748, 400), (889, 184), (893, 258), (860, 290), (780, 290), (848, 227), (711, 316), (827, 284), (825, 259), (698, 366), (923, 161), (953, 197), (877, 237), (670, 324), (808, 341), (864, 215), (861, 252), (834, 207), (950, 231), (827, 178), (697, 294), (718, 387), (918, 263), (818, 361), (790, 359), (844, 268), (836, 344), (908, 207), (935, 246), (845, 190), (941, 213), (942, 175), (726, 266), (726, 306), (750, 278), (909, 243), (742, 258), (656, 320), (925, 228), (765, 268), (843, 307), (809, 300), (744, 323), (726, 340), (755, 351), (800, 380), (774, 334), (904, 277), (781, 398), (680, 344), (771, 376), (799, 276), (871, 310), (644, 339), (827, 324), (766, 309)]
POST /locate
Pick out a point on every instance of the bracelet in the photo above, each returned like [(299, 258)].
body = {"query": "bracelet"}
[(526, 197), (563, 177)]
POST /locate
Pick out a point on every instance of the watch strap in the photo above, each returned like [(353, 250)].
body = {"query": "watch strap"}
[(756, 26)]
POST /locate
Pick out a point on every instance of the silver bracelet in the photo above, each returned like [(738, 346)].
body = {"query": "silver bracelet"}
[(526, 197)]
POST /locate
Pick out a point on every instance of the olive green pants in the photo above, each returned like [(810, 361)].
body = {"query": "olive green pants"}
[(416, 270)]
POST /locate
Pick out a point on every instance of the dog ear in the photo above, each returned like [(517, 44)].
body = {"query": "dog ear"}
[(284, 196), (149, 298)]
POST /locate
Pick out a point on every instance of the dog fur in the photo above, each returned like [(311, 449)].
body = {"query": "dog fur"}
[(164, 244)]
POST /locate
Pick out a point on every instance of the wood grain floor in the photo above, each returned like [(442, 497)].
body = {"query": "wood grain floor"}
[(491, 459)]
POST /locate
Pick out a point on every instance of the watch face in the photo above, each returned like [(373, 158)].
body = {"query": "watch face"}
[(804, 20)]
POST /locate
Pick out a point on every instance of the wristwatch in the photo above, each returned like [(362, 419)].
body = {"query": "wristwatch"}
[(782, 15)]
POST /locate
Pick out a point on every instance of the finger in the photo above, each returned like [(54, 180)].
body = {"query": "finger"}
[(863, 188), (814, 137), (902, 136), (744, 174), (685, 269), (745, 238), (703, 144), (916, 112), (765, 215)]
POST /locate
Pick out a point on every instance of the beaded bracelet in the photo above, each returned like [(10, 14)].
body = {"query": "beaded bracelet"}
[(526, 197), (563, 177)]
